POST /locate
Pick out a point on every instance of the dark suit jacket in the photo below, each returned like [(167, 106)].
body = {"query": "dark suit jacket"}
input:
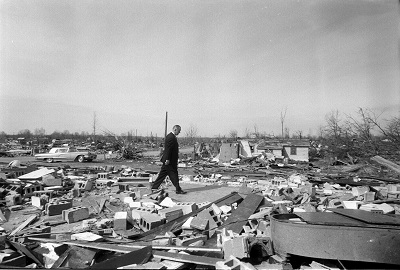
[(171, 150)]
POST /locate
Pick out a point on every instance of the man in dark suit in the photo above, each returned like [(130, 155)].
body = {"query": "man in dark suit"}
[(170, 161)]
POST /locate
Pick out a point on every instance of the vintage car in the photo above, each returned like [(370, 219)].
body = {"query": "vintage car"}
[(66, 154)]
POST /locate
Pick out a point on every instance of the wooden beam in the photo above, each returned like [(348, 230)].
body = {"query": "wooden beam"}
[(202, 260), (384, 162), (28, 221), (240, 215)]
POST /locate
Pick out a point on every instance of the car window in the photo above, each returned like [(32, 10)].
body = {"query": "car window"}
[(62, 150), (72, 150)]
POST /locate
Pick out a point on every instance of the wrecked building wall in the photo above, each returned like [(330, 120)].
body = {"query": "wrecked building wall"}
[(297, 153), (229, 151)]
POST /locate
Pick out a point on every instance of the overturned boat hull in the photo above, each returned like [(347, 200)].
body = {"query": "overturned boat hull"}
[(378, 244)]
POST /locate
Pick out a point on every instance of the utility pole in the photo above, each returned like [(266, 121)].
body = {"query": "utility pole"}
[(166, 123), (94, 126), (283, 120)]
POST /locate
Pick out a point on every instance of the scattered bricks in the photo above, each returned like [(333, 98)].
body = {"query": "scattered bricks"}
[(75, 214), (103, 175), (57, 208), (29, 189), (104, 223), (170, 213), (369, 196), (150, 221), (234, 264), (13, 199), (86, 236), (237, 247), (189, 240), (135, 205), (120, 221), (187, 207)]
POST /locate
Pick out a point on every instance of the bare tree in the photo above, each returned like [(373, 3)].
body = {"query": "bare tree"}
[(191, 133), (233, 134), (94, 125), (283, 116), (39, 132), (287, 133), (247, 133), (299, 134)]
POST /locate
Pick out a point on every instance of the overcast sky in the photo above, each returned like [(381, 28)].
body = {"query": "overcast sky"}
[(216, 65)]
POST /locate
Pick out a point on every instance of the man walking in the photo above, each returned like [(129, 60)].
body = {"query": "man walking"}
[(170, 161)]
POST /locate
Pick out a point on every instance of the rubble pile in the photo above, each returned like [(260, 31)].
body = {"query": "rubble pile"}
[(280, 216)]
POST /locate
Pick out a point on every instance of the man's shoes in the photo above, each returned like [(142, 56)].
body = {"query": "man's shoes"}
[(180, 192)]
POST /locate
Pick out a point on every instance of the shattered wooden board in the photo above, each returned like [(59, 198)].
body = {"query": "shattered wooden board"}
[(79, 258), (178, 257), (239, 216), (368, 217), (24, 250), (140, 256)]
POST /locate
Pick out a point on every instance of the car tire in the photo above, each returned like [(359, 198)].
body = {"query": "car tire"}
[(49, 160), (80, 159)]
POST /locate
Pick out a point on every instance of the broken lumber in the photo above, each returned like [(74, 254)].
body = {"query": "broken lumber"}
[(384, 162), (27, 222), (239, 216)]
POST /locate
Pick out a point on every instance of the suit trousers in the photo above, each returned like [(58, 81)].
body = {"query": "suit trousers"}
[(172, 172)]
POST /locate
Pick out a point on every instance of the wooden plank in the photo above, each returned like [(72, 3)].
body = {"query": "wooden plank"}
[(24, 250), (28, 221), (240, 215), (326, 218), (368, 217), (177, 257), (128, 247), (102, 203), (209, 261), (139, 256), (384, 162)]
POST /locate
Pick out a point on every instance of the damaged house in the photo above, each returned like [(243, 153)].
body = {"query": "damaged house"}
[(296, 150)]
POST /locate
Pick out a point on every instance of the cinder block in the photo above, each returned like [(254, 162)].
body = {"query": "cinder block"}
[(150, 221), (84, 185), (13, 199), (237, 247), (136, 212), (75, 214), (167, 202), (52, 209), (170, 213), (120, 221), (187, 207), (369, 196)]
